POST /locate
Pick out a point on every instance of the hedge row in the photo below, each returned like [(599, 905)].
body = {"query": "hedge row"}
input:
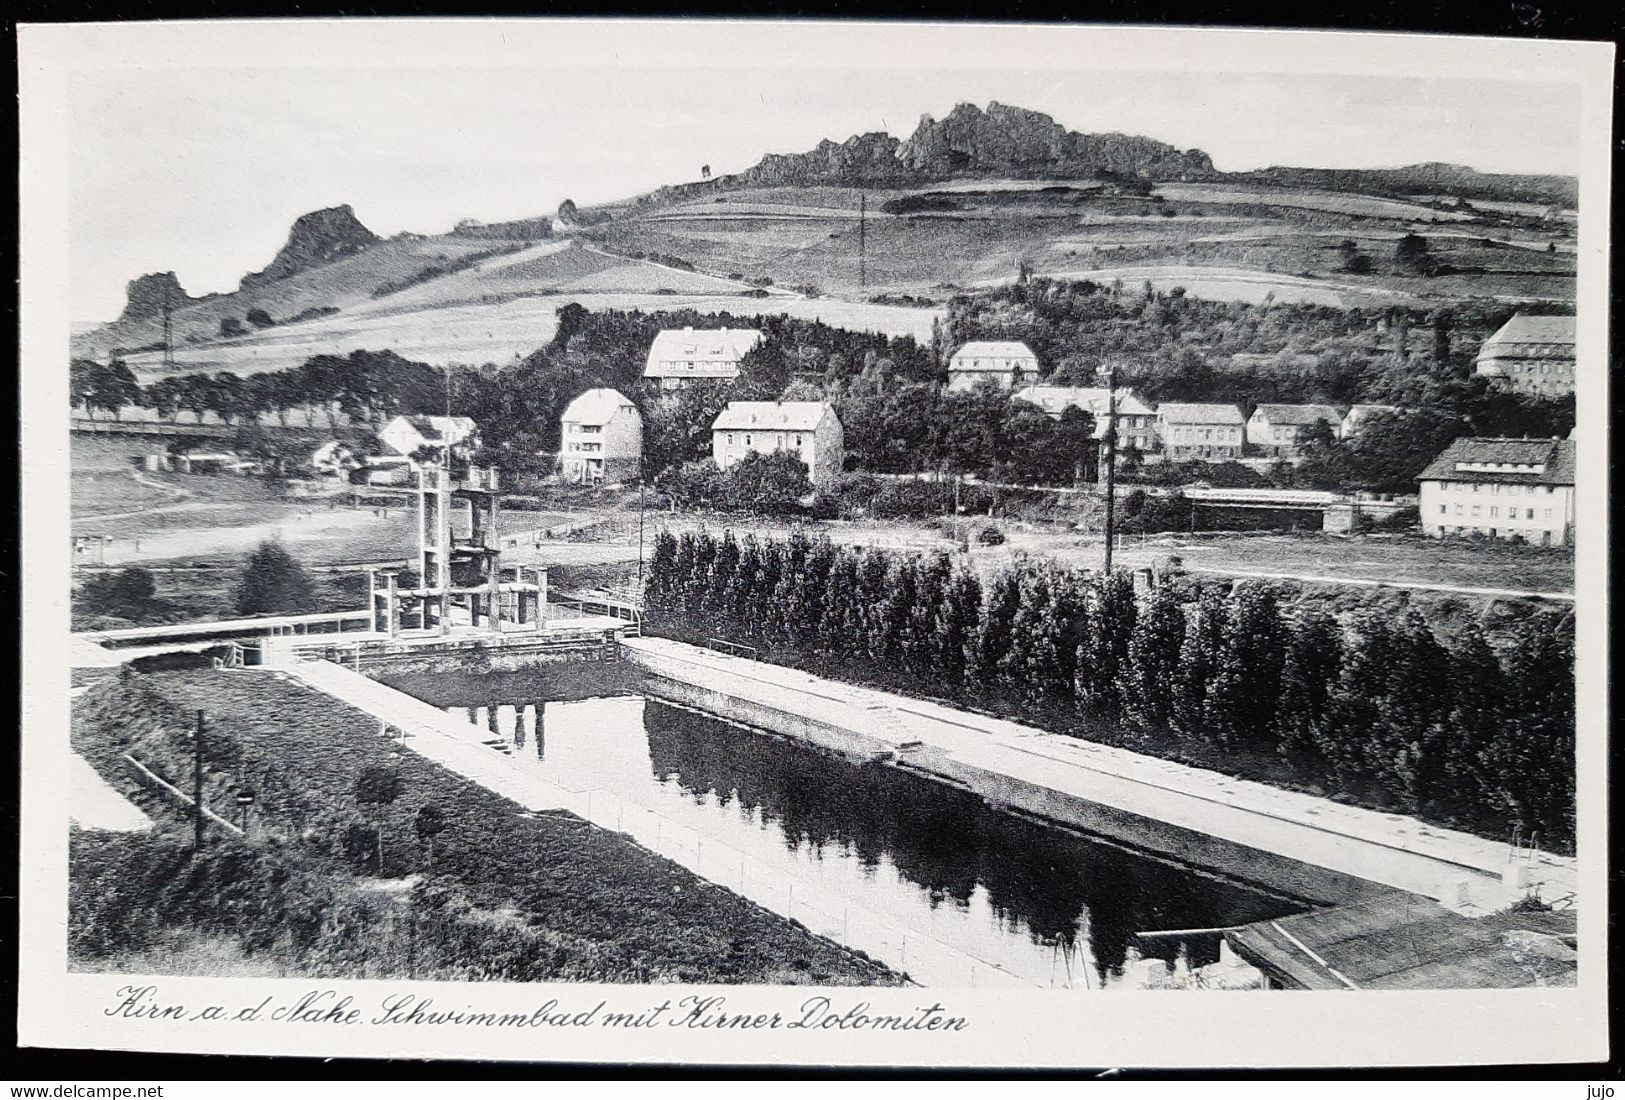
[(1373, 708)]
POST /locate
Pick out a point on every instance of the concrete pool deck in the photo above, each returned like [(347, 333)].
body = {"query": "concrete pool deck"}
[(1321, 850)]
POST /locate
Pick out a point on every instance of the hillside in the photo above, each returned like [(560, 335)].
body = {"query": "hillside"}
[(968, 200)]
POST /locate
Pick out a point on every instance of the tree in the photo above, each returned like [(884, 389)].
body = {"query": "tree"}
[(771, 483), (195, 393), (1147, 679), (232, 326), (1411, 255), (128, 594), (660, 580), (274, 582), (1309, 672), (998, 622), (259, 318), (110, 387), (1199, 657), (1246, 683), (956, 627), (1103, 649), (1529, 765), (375, 788)]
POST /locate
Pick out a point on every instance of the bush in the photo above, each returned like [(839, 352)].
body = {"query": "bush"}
[(130, 593), (990, 536), (274, 582)]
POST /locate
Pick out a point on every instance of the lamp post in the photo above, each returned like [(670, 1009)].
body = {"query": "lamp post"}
[(1109, 374)]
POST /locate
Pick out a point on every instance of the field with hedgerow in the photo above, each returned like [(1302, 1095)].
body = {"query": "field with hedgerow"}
[(364, 861)]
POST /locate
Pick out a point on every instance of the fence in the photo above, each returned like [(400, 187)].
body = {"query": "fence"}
[(733, 649)]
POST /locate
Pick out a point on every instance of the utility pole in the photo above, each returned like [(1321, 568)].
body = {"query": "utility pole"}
[(1110, 373), (169, 344), (863, 217), (640, 526), (197, 786)]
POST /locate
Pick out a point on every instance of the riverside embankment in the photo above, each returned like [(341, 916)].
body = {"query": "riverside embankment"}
[(1311, 848)]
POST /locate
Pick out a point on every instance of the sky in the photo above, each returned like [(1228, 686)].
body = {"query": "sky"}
[(201, 170)]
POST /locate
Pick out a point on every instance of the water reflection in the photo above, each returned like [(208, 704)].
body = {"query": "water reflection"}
[(1053, 907)]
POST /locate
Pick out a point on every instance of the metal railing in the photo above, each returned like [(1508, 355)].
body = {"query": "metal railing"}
[(733, 649)]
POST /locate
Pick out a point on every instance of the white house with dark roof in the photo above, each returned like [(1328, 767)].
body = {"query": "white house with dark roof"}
[(1278, 429), (808, 429), (1358, 414), (1007, 364), (600, 438), (1502, 488), (1136, 421), (678, 357), (1188, 430), (1533, 355), (404, 435)]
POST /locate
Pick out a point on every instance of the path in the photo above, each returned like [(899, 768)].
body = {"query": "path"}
[(93, 803), (1390, 849), (1464, 590)]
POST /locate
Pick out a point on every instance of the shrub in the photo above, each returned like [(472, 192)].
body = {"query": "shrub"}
[(990, 536)]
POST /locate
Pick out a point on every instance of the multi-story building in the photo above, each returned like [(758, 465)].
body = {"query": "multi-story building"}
[(808, 429), (1136, 421), (1279, 429), (600, 438), (1200, 431), (1533, 355), (679, 357), (1007, 364), (1503, 488)]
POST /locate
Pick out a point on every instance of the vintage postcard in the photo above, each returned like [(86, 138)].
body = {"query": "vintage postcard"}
[(814, 543)]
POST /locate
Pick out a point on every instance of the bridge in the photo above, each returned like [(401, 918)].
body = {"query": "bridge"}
[(85, 425)]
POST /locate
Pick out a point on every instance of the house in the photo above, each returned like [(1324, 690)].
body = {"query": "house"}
[(1532, 355), (1186, 431), (809, 429), (601, 438), (1008, 364), (1136, 421), (678, 357), (1279, 429), (1503, 488), (405, 435), (334, 459), (1357, 413)]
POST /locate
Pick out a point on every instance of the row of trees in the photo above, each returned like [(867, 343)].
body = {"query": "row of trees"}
[(1376, 708)]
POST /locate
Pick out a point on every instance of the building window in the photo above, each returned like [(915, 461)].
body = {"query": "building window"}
[(1475, 510), (1494, 511), (1458, 509), (1548, 513), (1441, 509), (747, 441), (1529, 513), (730, 439)]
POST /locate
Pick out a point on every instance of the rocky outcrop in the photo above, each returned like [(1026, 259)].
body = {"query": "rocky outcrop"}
[(1014, 141), (969, 142), (148, 295), (867, 160), (317, 238)]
